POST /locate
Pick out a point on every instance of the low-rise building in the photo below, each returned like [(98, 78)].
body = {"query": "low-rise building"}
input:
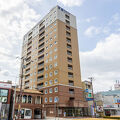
[(31, 105), (108, 102), (87, 86), (5, 100)]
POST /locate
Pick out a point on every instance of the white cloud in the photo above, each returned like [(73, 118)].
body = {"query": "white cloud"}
[(71, 3), (16, 18), (115, 19), (92, 30), (103, 63), (90, 19)]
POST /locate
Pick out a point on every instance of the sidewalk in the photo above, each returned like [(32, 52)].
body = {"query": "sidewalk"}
[(52, 118)]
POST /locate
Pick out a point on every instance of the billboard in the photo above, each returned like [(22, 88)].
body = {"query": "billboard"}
[(117, 100)]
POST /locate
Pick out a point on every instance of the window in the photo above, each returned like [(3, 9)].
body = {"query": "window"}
[(24, 99), (71, 83), (55, 24), (50, 82), (50, 90), (56, 99), (46, 75), (56, 80), (46, 91), (68, 33), (46, 35), (46, 68), (55, 29), (50, 74), (50, 52), (47, 47), (67, 16), (56, 89), (55, 42), (46, 61), (55, 49), (71, 91), (28, 113), (50, 33), (50, 59), (50, 66), (70, 74), (51, 26), (69, 59), (46, 41), (46, 83), (29, 99), (55, 57), (54, 36), (50, 99), (67, 28), (46, 100), (55, 64), (67, 22), (69, 52), (38, 100), (69, 46), (46, 54), (50, 39), (50, 45), (70, 67), (55, 72)]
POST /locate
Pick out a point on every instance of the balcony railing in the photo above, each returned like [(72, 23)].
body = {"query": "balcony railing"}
[(39, 87), (70, 76), (41, 46), (71, 92), (41, 65)]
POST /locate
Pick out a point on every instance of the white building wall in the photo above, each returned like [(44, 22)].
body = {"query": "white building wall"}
[(55, 13)]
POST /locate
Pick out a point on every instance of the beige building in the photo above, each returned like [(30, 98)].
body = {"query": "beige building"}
[(51, 56), (87, 86)]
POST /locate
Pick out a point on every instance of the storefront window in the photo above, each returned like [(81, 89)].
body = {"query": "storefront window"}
[(28, 113)]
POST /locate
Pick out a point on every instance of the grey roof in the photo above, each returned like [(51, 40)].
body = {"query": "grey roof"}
[(111, 92)]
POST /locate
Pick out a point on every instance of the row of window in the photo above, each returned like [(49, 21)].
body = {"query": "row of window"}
[(51, 74), (51, 90), (51, 82), (51, 99), (51, 45), (29, 99), (52, 30), (50, 59), (50, 52), (51, 66), (50, 39), (50, 33), (51, 19)]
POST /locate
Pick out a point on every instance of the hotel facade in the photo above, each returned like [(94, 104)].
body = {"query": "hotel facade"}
[(51, 59)]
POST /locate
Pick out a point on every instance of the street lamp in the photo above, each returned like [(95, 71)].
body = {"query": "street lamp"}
[(91, 79)]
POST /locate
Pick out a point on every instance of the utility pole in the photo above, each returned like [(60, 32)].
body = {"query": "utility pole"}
[(14, 100), (21, 80), (91, 79)]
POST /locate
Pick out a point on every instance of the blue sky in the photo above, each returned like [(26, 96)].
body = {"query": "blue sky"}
[(98, 24)]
